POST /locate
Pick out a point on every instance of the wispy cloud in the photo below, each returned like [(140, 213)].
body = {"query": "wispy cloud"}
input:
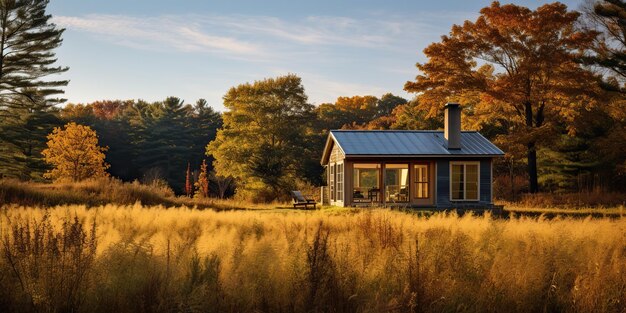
[(313, 30), (250, 36), (156, 33)]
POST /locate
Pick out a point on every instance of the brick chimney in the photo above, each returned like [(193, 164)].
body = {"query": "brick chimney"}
[(452, 127)]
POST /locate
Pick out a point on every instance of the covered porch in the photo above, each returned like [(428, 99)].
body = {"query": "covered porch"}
[(388, 183)]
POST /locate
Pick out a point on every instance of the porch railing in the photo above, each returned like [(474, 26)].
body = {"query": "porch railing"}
[(365, 194)]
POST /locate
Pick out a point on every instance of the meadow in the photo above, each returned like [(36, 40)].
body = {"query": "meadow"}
[(134, 258)]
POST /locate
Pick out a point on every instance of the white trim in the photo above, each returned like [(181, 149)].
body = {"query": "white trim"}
[(331, 183), (337, 143), (477, 163), (328, 152)]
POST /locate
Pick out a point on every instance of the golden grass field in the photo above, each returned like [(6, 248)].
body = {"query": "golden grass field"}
[(154, 259)]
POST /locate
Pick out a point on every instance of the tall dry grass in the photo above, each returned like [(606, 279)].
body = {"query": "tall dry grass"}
[(92, 192), (152, 259), (102, 191)]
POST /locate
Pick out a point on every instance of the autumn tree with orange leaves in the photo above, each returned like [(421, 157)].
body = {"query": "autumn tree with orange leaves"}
[(202, 185), (74, 153), (514, 67), (188, 181)]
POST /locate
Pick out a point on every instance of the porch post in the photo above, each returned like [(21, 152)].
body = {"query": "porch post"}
[(383, 187)]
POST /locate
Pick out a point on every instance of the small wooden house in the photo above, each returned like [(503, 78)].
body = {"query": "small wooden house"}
[(435, 169)]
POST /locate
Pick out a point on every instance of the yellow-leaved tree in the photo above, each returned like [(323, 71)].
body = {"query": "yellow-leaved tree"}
[(74, 153)]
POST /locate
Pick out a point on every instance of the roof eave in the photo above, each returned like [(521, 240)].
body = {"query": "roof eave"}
[(423, 155), (326, 153), (327, 148)]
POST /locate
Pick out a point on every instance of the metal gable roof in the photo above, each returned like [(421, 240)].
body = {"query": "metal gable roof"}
[(410, 142)]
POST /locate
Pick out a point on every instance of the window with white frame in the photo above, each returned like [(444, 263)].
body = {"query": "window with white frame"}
[(340, 182), (464, 181)]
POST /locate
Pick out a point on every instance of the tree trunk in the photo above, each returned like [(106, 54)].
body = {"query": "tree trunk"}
[(532, 168), (532, 148)]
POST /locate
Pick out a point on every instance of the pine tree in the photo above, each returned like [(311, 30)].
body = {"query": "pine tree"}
[(163, 140), (608, 17), (204, 123), (202, 185), (22, 138), (27, 41)]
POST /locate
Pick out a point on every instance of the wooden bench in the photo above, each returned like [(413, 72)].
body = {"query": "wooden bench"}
[(300, 200)]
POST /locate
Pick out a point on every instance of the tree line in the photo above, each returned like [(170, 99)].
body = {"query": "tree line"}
[(546, 85)]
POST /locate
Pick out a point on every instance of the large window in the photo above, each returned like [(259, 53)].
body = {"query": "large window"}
[(464, 181), (365, 182), (421, 179), (340, 182), (397, 182), (331, 181)]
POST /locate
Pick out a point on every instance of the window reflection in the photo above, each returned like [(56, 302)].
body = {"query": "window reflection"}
[(396, 183), (366, 182)]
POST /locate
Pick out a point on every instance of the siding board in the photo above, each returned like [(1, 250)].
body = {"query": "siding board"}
[(443, 183), (485, 181), (336, 155)]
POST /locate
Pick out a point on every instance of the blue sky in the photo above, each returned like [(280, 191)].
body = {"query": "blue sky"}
[(148, 49)]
